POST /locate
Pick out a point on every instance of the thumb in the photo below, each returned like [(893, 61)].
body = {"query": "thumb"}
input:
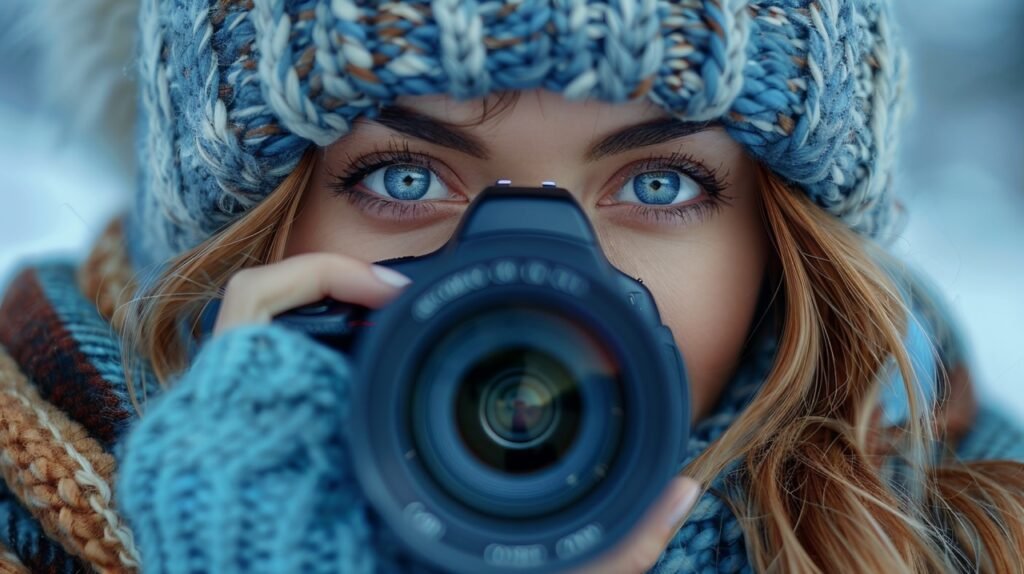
[(642, 548), (665, 519)]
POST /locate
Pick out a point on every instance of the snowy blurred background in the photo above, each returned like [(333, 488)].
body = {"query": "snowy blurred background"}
[(962, 174)]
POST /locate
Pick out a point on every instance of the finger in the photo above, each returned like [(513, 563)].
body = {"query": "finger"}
[(254, 295), (645, 544)]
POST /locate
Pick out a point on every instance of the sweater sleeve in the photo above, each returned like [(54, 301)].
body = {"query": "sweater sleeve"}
[(242, 465)]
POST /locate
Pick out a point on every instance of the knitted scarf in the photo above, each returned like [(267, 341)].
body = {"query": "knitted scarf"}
[(242, 465)]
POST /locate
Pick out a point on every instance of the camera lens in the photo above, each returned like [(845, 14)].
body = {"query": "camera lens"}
[(518, 409)]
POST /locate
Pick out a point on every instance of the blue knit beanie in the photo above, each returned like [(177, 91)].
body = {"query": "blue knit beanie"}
[(234, 91)]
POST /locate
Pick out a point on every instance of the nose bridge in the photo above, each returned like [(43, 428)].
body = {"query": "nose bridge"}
[(532, 166)]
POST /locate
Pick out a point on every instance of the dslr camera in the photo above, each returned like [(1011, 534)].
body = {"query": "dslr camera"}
[(520, 406)]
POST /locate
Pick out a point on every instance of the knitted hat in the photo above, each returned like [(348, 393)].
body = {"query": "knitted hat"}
[(234, 91)]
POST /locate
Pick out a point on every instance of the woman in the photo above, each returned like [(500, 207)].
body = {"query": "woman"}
[(735, 156)]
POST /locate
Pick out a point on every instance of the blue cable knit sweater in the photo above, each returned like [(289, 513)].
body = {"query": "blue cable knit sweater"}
[(242, 466)]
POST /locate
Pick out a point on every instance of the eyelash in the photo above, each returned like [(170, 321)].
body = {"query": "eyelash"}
[(691, 212), (347, 182)]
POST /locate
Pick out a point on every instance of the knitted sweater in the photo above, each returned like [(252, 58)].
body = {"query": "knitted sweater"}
[(242, 465)]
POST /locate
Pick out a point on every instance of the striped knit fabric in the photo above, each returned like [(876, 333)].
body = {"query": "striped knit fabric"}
[(62, 409), (10, 563), (232, 93), (44, 310), (225, 475), (23, 537)]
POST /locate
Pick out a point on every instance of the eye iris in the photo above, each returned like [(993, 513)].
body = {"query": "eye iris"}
[(659, 187), (406, 181)]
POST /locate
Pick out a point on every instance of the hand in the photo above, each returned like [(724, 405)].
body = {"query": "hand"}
[(256, 294), (640, 551)]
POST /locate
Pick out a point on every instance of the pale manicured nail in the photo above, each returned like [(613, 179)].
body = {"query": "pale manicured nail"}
[(390, 276), (683, 505)]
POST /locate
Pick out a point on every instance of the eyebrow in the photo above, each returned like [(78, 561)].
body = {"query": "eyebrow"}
[(431, 130)]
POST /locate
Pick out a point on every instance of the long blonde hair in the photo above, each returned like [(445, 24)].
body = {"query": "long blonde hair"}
[(815, 497)]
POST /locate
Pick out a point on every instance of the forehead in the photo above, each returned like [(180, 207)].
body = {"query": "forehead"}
[(539, 112)]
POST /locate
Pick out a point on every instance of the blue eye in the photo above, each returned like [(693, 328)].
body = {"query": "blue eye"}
[(661, 187), (406, 182)]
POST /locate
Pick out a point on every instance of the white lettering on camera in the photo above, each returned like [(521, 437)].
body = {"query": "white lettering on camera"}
[(578, 542), (423, 521), (517, 556), (499, 272)]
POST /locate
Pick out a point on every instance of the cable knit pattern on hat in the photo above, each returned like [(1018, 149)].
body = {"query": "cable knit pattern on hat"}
[(232, 93)]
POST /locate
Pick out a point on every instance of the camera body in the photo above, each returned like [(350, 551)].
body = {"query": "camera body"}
[(520, 405)]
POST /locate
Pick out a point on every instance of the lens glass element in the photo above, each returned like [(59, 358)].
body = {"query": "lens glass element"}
[(518, 409)]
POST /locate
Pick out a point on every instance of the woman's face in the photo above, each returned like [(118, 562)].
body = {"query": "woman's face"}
[(673, 204)]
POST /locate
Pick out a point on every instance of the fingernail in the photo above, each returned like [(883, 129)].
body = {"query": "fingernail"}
[(390, 276), (683, 505)]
